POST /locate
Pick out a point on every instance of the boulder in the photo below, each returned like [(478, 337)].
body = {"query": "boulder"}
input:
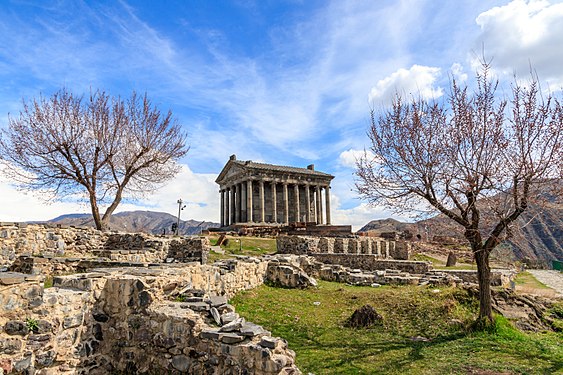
[(287, 275)]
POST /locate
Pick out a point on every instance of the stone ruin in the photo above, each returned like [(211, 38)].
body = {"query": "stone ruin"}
[(134, 303)]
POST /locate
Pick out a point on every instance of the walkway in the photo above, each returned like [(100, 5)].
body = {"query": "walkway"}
[(551, 278)]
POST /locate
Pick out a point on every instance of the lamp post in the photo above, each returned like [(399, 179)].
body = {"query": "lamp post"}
[(180, 208)]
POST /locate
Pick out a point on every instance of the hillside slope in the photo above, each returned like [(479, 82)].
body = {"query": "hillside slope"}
[(537, 235), (139, 221)]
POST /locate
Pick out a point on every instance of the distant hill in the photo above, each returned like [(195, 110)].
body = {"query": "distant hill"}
[(538, 234), (138, 221)]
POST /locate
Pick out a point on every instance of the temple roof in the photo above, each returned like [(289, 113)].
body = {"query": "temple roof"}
[(250, 165)]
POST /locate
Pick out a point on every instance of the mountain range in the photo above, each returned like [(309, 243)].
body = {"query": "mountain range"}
[(537, 234), (139, 221)]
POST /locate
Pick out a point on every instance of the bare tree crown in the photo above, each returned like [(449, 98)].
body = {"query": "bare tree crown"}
[(98, 145), (472, 146), (469, 152)]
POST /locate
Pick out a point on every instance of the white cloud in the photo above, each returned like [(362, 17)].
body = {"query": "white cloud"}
[(197, 190), (359, 215), (418, 81), (349, 157), (457, 72), (524, 34)]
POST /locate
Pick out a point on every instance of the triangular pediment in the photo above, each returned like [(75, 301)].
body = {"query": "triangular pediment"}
[(230, 169)]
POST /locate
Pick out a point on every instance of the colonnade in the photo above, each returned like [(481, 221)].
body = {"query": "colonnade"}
[(261, 201)]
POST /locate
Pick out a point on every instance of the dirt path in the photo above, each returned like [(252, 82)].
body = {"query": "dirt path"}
[(551, 278)]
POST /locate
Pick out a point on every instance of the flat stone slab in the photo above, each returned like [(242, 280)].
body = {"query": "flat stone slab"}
[(233, 326), (250, 330), (211, 334), (217, 301), (268, 342), (215, 315), (231, 338), (229, 317), (195, 306), (11, 278)]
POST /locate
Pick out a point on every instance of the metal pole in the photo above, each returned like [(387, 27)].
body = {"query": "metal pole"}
[(180, 208)]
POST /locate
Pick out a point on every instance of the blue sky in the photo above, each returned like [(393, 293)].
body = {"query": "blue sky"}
[(282, 82)]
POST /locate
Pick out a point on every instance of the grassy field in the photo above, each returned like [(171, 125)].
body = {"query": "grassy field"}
[(251, 246), (527, 283), (425, 331), (440, 264)]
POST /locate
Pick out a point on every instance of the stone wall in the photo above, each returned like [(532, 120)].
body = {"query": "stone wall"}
[(127, 320), (499, 277), (18, 239), (23, 239), (375, 247), (369, 262)]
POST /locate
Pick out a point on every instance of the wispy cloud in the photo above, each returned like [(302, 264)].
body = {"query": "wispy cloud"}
[(524, 35), (418, 81), (299, 91)]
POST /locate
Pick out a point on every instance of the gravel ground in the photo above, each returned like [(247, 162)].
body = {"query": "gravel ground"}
[(551, 278)]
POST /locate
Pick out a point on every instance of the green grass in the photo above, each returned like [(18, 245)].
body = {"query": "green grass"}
[(48, 283), (439, 264), (527, 279), (325, 346), (426, 258), (251, 246)]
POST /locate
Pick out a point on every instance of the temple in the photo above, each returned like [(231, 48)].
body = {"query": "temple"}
[(265, 193)]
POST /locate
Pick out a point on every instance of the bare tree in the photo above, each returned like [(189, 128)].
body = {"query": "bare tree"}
[(99, 147), (469, 154)]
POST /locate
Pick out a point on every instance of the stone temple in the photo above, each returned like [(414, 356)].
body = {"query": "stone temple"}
[(258, 193)]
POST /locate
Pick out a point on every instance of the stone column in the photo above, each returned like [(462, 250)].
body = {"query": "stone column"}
[(233, 204), (227, 205), (262, 205), (274, 202), (308, 197), (297, 210), (286, 204), (237, 203), (327, 204), (319, 206), (249, 201), (243, 200), (222, 207)]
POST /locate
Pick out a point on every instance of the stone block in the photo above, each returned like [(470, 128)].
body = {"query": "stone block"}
[(73, 320), (11, 278), (10, 345), (231, 338), (250, 329), (211, 334), (268, 342), (233, 326), (215, 315), (217, 301), (181, 363), (195, 306), (16, 327), (229, 317)]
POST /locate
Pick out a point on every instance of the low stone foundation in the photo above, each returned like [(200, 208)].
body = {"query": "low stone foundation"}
[(375, 247), (499, 277), (367, 262)]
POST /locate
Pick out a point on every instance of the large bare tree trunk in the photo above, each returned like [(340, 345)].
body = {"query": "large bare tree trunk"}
[(484, 277), (111, 208), (96, 212)]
